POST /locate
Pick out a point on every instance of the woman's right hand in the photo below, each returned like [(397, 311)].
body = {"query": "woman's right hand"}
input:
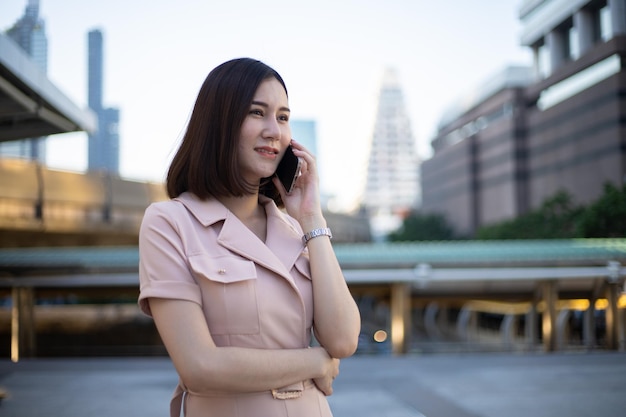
[(330, 368)]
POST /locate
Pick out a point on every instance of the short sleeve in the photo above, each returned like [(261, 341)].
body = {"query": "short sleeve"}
[(163, 266)]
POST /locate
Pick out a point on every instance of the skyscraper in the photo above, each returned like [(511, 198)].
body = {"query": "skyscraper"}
[(103, 150), (392, 188), (304, 131), (29, 33)]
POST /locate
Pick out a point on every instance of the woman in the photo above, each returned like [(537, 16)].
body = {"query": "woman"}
[(233, 283)]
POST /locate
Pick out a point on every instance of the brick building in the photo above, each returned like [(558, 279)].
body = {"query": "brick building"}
[(558, 125)]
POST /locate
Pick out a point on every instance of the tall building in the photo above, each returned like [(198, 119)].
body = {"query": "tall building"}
[(103, 149), (30, 34), (558, 125), (305, 132), (392, 187)]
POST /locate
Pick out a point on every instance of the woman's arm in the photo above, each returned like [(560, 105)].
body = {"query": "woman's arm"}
[(204, 367), (336, 317)]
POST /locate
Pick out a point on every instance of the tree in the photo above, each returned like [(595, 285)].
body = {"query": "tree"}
[(557, 218), (606, 217), (418, 226)]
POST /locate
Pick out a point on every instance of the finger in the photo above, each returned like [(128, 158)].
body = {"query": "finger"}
[(308, 160), (279, 186), (299, 146)]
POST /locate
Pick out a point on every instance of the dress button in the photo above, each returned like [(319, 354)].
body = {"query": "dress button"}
[(221, 271)]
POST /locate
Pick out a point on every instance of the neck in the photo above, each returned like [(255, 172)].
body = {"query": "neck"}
[(245, 207), (248, 210)]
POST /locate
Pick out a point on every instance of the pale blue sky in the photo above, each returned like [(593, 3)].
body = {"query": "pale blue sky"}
[(331, 53)]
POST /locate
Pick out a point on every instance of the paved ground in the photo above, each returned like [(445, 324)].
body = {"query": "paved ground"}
[(450, 385)]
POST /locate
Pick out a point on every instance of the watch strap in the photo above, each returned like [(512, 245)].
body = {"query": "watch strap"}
[(322, 231)]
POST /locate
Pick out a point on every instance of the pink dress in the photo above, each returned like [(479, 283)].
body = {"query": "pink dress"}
[(254, 294)]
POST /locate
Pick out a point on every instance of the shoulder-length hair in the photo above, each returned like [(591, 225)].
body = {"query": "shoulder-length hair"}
[(206, 162)]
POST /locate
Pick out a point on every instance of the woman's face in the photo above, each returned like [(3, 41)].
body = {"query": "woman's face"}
[(265, 132)]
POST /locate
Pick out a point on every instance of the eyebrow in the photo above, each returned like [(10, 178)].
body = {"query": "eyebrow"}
[(263, 104)]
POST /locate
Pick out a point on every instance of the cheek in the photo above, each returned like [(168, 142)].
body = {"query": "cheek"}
[(245, 131), (286, 135)]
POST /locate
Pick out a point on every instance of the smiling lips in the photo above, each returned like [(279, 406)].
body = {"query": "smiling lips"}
[(267, 151)]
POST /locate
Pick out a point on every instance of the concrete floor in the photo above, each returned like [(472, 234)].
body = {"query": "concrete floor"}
[(437, 385)]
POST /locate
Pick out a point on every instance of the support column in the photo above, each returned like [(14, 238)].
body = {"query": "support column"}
[(400, 317), (618, 16), (584, 24), (431, 322), (466, 324), (548, 320), (508, 328), (613, 292), (621, 346), (613, 317), (589, 324), (22, 323), (531, 326), (557, 47), (537, 62), (562, 329)]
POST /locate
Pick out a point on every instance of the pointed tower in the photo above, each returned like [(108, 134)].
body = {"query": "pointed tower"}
[(392, 188)]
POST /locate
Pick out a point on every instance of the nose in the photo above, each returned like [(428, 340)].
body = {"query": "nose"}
[(272, 129)]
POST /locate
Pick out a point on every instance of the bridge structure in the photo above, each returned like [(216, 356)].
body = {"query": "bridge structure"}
[(30, 104), (539, 283)]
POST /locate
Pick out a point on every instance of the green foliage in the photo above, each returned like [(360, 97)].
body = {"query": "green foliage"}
[(557, 218), (417, 226), (606, 217)]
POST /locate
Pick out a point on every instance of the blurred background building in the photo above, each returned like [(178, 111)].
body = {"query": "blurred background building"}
[(104, 144), (305, 132), (392, 187), (530, 132), (347, 228), (29, 33)]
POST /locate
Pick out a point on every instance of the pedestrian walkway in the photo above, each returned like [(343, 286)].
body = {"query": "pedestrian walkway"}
[(450, 385)]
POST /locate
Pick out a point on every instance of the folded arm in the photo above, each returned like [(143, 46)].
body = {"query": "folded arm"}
[(204, 367)]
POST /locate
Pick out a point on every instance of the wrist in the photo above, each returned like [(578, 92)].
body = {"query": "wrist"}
[(322, 359), (309, 223), (320, 231)]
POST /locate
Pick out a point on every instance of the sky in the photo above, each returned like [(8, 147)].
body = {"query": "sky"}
[(331, 53)]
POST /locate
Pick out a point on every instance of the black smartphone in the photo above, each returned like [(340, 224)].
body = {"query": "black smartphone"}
[(288, 169)]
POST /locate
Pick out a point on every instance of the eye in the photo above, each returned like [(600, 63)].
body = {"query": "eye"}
[(256, 112), (283, 117)]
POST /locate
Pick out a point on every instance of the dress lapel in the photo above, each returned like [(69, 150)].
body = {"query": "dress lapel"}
[(283, 237), (237, 238), (278, 253)]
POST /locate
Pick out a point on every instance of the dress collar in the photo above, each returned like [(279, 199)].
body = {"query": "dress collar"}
[(283, 244)]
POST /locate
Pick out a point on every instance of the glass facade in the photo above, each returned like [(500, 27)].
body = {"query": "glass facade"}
[(103, 150)]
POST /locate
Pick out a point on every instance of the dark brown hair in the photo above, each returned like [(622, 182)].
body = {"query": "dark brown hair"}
[(206, 162)]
